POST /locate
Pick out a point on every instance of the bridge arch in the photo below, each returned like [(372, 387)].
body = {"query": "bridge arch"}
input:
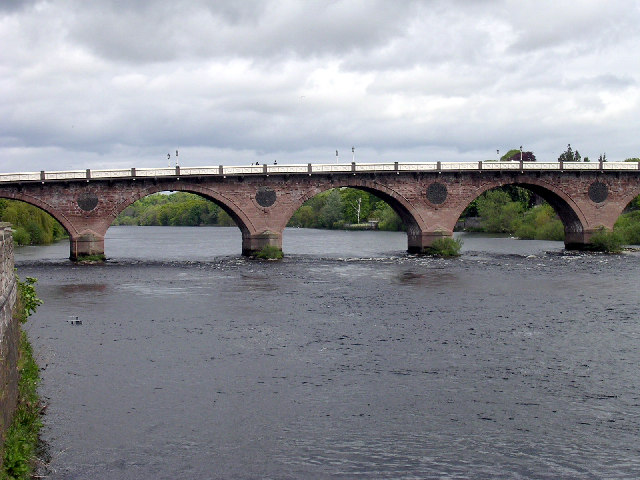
[(241, 219), (407, 211), (227, 204), (571, 215), (43, 205)]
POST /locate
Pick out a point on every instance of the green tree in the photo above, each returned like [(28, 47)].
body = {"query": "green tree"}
[(304, 217), (388, 219), (498, 212), (540, 223), (331, 214), (569, 155), (510, 154), (356, 205), (180, 208), (515, 155), (31, 225)]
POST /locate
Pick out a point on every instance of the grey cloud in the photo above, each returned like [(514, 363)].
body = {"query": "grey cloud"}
[(162, 31), (119, 83), (574, 25), (16, 5)]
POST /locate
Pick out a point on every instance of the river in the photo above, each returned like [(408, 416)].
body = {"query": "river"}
[(348, 359)]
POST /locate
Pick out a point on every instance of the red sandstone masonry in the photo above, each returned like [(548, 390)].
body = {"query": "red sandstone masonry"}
[(86, 208)]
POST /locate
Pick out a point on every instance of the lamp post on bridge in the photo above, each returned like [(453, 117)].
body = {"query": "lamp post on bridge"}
[(521, 153), (336, 156), (353, 154)]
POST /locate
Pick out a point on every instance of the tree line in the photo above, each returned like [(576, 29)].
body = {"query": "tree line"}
[(176, 209), (31, 225)]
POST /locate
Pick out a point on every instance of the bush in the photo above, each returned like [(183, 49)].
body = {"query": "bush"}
[(540, 223), (28, 300), (94, 258), (628, 225), (606, 241), (445, 247), (270, 252), (21, 236)]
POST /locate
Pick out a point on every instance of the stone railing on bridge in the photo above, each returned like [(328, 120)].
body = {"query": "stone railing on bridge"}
[(9, 331), (311, 169)]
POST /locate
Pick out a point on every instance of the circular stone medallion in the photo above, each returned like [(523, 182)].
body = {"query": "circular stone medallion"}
[(598, 192), (87, 201), (265, 197), (437, 193)]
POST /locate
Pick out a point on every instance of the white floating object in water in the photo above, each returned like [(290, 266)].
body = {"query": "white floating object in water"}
[(73, 320)]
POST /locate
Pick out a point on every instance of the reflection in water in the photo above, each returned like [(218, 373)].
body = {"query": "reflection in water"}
[(509, 362), (431, 279), (74, 288)]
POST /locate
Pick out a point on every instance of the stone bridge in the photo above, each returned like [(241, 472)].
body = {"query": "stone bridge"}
[(429, 197)]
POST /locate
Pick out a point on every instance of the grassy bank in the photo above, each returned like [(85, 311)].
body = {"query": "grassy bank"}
[(22, 440)]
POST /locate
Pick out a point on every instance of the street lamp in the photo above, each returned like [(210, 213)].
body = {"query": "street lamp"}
[(520, 152), (336, 156), (353, 154), (498, 154)]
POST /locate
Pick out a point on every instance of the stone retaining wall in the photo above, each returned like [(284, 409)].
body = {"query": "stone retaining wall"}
[(9, 331)]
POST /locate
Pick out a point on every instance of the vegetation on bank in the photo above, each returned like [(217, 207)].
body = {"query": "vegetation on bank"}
[(269, 252), (177, 209), (606, 241), (515, 211), (445, 247), (339, 207), (95, 258), (22, 438), (31, 225), (334, 208)]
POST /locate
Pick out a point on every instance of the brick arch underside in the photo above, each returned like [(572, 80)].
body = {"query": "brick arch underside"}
[(51, 210), (410, 217), (569, 212), (238, 216)]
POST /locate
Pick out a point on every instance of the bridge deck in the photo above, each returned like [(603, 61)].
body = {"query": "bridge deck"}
[(311, 169)]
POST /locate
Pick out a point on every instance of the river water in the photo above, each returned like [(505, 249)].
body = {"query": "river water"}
[(349, 359)]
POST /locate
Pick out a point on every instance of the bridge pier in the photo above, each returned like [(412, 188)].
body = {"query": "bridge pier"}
[(252, 244), (419, 242), (580, 240), (86, 244)]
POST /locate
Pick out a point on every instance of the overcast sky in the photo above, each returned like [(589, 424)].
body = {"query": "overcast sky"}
[(120, 83)]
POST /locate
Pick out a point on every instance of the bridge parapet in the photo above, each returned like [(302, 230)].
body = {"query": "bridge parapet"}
[(311, 169)]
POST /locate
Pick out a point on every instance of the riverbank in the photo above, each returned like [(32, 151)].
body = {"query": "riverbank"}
[(21, 447), (22, 450)]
